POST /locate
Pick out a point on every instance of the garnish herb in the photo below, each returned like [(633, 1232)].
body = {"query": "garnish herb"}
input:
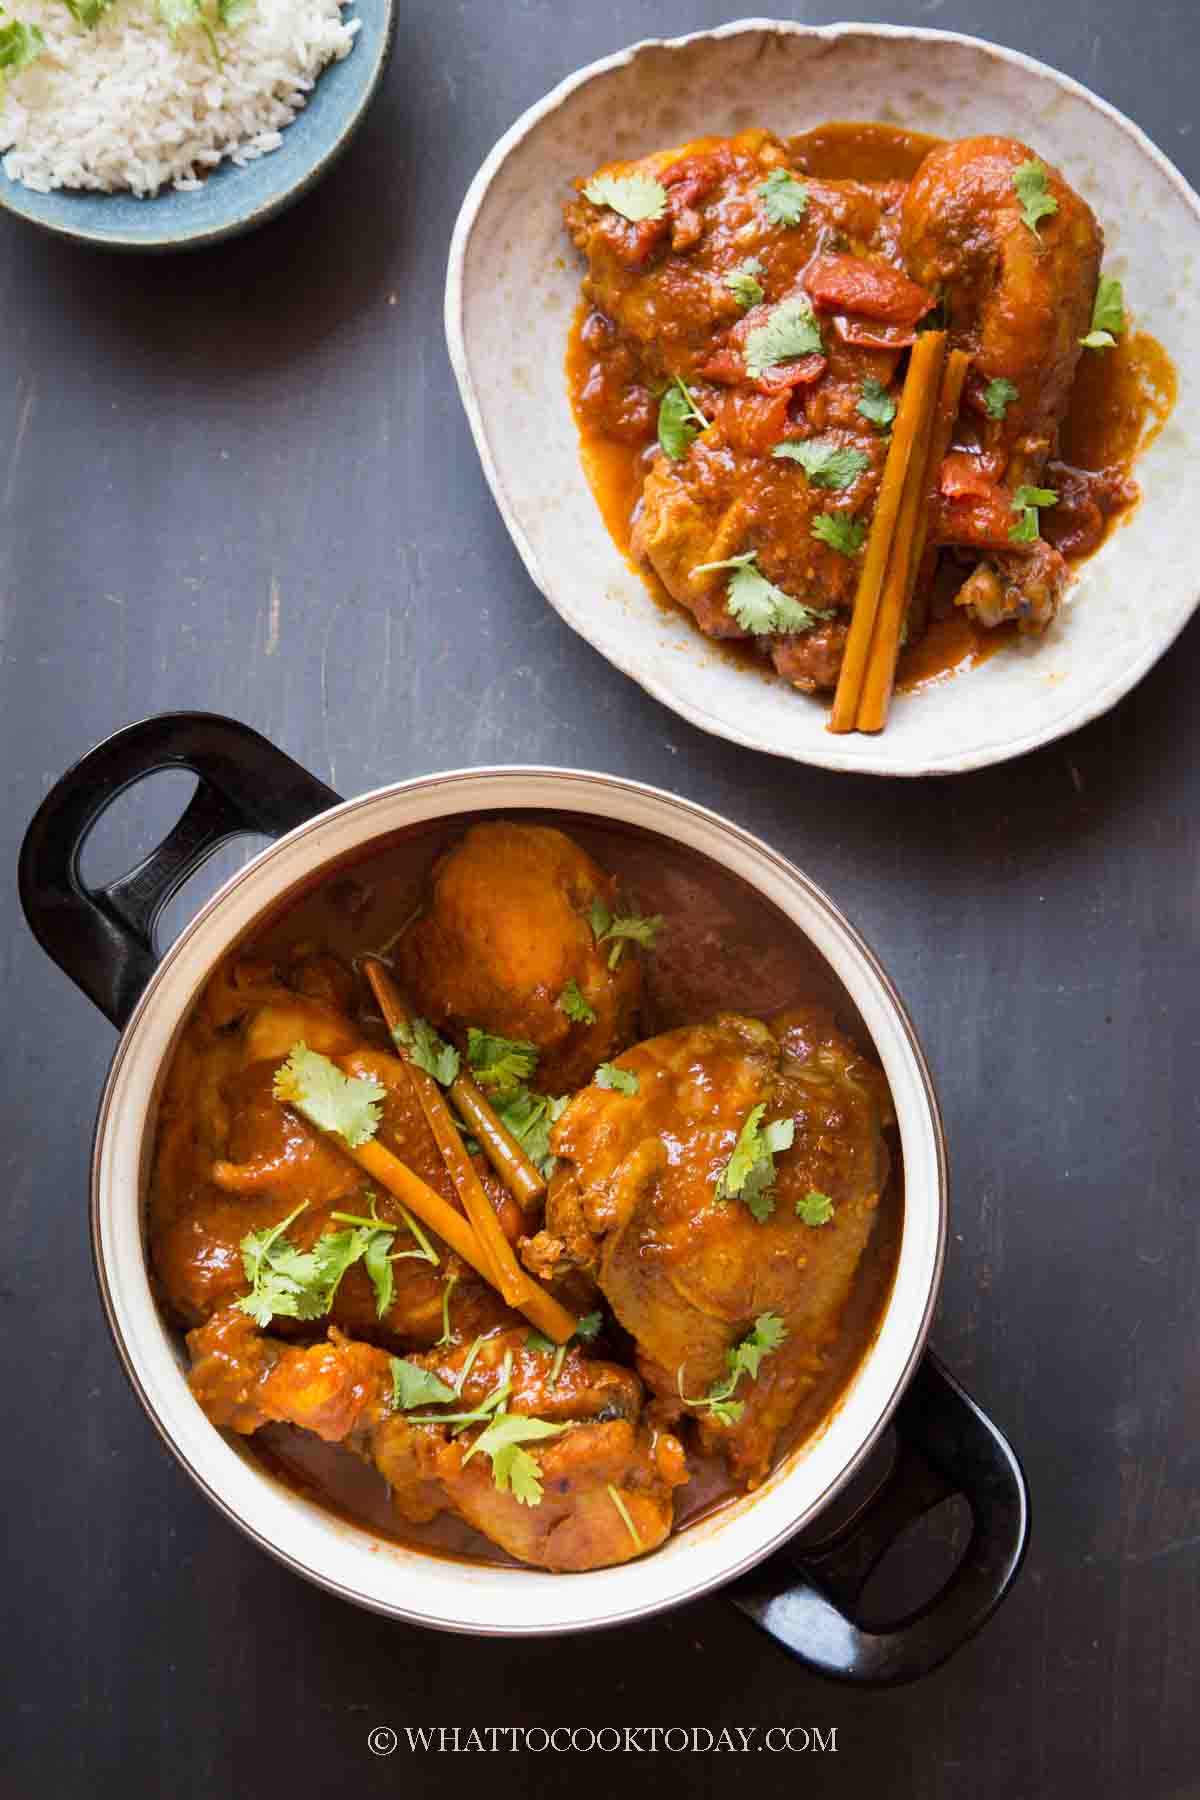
[(1108, 315), (587, 1329), (447, 1289), (840, 532), (317, 1089), (429, 1051), (88, 12), (1033, 191), (679, 420), (529, 1116), (572, 1002), (826, 464), (1026, 501), (621, 1507), (620, 929), (635, 197), (757, 604), (175, 14), (19, 46), (749, 1174), (814, 1208), (877, 404), (998, 396), (785, 200), (744, 1359), (790, 330), (751, 1170), (499, 1064), (621, 1081), (378, 1255), (414, 1386), (513, 1469), (743, 282), (297, 1284)]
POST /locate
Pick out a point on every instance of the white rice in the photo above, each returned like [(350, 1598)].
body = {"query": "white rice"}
[(122, 106)]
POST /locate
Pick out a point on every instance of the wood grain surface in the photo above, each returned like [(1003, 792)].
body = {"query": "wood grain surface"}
[(242, 481)]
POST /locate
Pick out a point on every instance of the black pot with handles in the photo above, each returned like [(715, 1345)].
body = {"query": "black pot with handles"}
[(807, 1600)]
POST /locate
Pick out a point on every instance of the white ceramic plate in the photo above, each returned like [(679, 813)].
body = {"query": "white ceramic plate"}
[(513, 284)]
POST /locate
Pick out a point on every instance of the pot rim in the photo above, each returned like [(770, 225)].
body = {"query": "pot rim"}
[(426, 784)]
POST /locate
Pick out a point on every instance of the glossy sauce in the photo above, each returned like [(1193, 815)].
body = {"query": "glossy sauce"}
[(724, 947), (1120, 401)]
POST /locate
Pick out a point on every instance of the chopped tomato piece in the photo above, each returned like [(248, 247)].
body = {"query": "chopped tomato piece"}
[(870, 290), (963, 475), (753, 422)]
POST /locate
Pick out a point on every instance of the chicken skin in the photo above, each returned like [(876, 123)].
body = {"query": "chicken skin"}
[(343, 1392), (635, 1202), (506, 933)]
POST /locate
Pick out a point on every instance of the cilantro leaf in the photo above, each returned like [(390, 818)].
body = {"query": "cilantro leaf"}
[(679, 420), (1032, 184), (19, 46), (768, 1333), (378, 1265), (814, 1208), (790, 330), (88, 12), (622, 1081), (529, 1116), (757, 605), (826, 464), (296, 1284), (588, 1327), (840, 532), (877, 404), (513, 1469), (414, 1386), (743, 282), (785, 200), (749, 1174), (499, 1064), (175, 14), (346, 1104), (429, 1051), (1026, 501), (1108, 315), (232, 12), (572, 1002), (623, 928), (635, 197), (998, 396), (745, 1358)]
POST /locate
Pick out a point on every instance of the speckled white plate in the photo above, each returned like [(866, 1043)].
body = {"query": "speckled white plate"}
[(513, 284)]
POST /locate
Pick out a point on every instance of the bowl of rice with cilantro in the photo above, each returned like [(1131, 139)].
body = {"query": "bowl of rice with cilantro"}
[(159, 124)]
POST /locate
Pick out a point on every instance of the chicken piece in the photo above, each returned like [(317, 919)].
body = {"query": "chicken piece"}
[(634, 1201), (505, 932), (662, 283), (1018, 300), (717, 503), (342, 1391), (231, 1160), (665, 309)]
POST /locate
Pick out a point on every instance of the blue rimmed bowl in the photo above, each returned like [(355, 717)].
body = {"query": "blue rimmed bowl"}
[(232, 199)]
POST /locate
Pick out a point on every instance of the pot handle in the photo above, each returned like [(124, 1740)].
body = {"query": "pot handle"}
[(103, 938), (806, 1600)]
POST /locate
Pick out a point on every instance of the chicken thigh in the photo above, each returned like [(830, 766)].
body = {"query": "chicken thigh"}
[(636, 1201)]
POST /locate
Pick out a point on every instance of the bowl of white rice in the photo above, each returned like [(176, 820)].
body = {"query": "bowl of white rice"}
[(168, 124)]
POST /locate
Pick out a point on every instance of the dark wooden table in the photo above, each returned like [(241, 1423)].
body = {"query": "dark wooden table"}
[(243, 482)]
